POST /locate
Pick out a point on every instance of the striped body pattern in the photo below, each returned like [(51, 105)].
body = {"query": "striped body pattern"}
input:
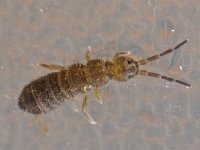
[(48, 92)]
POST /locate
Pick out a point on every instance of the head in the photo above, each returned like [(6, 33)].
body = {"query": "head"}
[(124, 66)]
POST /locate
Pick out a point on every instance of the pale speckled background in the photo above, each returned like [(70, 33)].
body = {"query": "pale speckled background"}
[(143, 114)]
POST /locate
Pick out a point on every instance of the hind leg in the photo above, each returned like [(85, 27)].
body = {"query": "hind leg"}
[(53, 67)]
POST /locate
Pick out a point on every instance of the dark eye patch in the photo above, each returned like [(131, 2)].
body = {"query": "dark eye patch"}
[(130, 61)]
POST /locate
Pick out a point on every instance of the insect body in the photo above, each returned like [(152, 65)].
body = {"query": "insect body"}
[(48, 92)]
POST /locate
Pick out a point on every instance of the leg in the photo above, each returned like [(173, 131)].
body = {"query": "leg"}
[(84, 111), (121, 54), (156, 75), (42, 123), (87, 55), (53, 67), (46, 128), (97, 94), (155, 57)]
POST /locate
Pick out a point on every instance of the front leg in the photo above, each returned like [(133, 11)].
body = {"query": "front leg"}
[(84, 111), (119, 54)]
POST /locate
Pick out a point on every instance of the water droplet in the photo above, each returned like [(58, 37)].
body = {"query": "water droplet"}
[(181, 68), (42, 10)]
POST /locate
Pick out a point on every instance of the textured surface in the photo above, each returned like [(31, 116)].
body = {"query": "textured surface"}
[(143, 114)]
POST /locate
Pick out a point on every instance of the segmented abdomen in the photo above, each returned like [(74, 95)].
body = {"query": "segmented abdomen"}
[(45, 93)]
